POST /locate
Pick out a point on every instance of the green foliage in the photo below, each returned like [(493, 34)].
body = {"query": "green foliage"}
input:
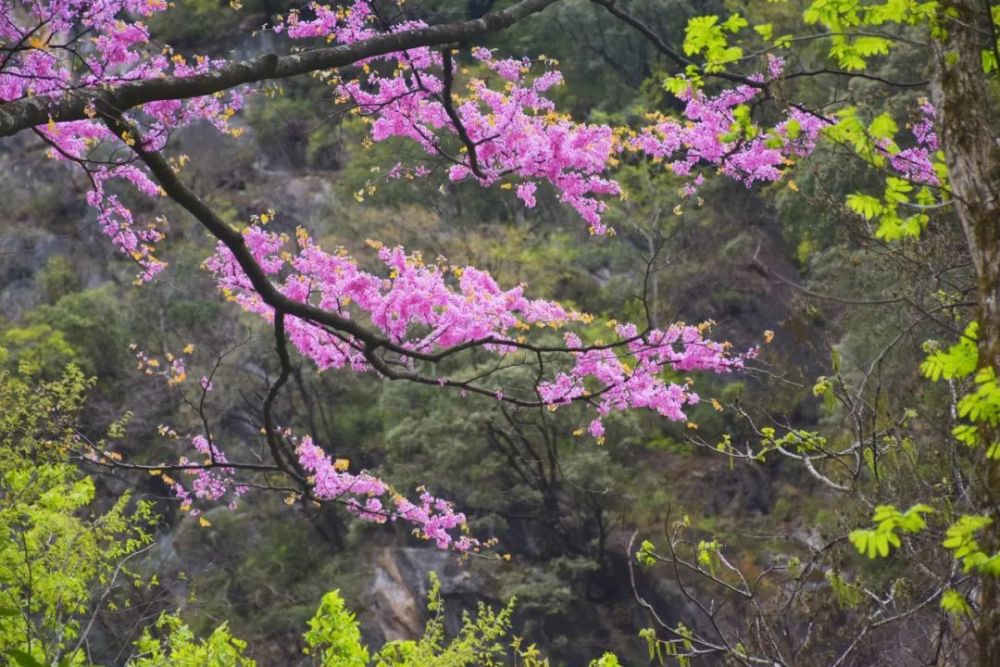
[(979, 406), (845, 20), (955, 603), (960, 540), (874, 143), (708, 554), (333, 638), (94, 322), (706, 35), (989, 55), (38, 350), (646, 555), (796, 440), (883, 127), (57, 558), (177, 646), (56, 554), (479, 641), (190, 20), (679, 648), (876, 542), (84, 328), (438, 441), (58, 278), (38, 419), (847, 594), (982, 404)]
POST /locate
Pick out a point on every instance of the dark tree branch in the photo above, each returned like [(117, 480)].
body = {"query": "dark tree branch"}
[(32, 111), (446, 101), (855, 75)]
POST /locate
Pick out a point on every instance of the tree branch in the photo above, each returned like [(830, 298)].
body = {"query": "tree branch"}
[(73, 105)]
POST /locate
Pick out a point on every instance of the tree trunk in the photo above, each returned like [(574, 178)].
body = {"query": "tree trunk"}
[(973, 156)]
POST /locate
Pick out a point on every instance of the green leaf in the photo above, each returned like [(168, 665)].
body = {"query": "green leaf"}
[(883, 127), (967, 434), (896, 190), (735, 23), (793, 129), (993, 451), (764, 30), (333, 634), (851, 61), (954, 602), (676, 85), (864, 205), (869, 46), (25, 659), (989, 58), (864, 540), (958, 361), (912, 521), (701, 31), (646, 555), (960, 540)]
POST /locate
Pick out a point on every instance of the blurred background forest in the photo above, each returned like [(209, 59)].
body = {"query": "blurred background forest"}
[(788, 258)]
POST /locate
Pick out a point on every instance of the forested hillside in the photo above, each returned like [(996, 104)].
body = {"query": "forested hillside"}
[(472, 332)]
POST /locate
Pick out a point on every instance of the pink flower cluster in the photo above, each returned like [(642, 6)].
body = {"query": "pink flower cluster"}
[(636, 381), (48, 31), (513, 131), (209, 483), (510, 129), (425, 309), (420, 307), (499, 125), (917, 163), (372, 499), (344, 25), (706, 136), (114, 217), (78, 47)]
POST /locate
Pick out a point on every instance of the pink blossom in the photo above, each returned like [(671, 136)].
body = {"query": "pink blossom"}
[(421, 310), (373, 500)]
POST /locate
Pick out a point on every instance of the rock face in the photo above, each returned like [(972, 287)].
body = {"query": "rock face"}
[(398, 591)]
